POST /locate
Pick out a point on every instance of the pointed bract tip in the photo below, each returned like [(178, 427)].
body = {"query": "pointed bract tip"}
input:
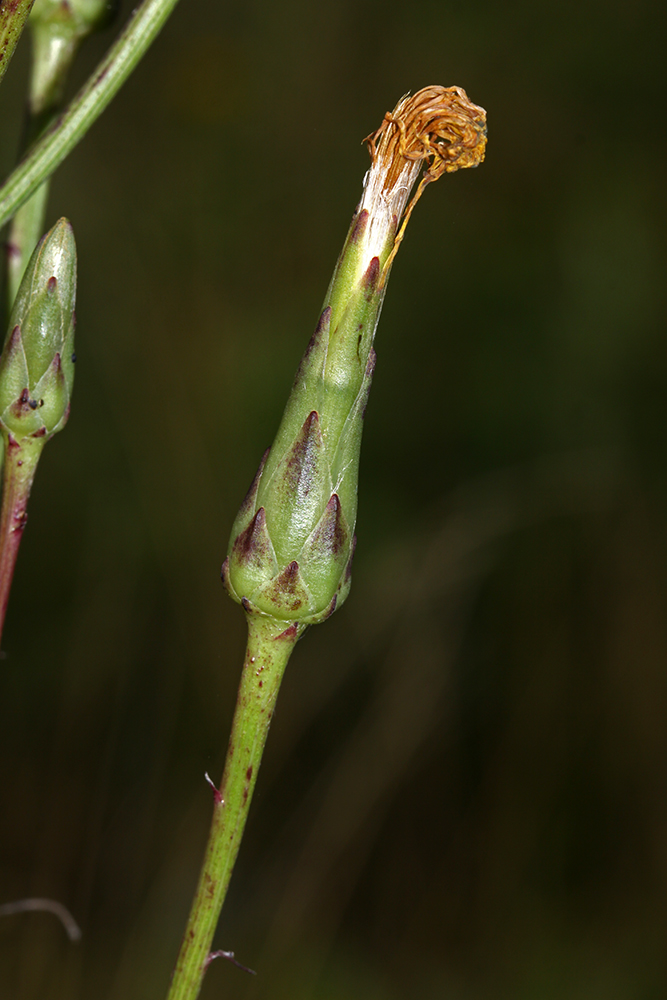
[(324, 321), (253, 545), (289, 634), (316, 348), (331, 536), (285, 596), (248, 505)]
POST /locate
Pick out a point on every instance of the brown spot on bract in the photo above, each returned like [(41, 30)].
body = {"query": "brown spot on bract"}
[(321, 330), (301, 464), (370, 370), (286, 591), (322, 323), (372, 277), (253, 546), (330, 538), (359, 225)]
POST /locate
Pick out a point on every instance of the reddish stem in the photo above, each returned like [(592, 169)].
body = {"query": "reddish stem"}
[(19, 471)]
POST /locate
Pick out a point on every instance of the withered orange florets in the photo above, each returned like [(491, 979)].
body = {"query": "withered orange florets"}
[(437, 124)]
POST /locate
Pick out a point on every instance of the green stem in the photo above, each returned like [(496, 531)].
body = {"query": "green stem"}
[(51, 62), (26, 228), (269, 647), (12, 21), (55, 43), (87, 106), (19, 472)]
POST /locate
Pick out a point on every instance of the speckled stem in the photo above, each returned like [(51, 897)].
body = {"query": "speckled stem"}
[(270, 644), (18, 474), (13, 15)]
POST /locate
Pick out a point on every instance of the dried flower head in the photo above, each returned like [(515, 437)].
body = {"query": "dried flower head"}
[(438, 126), (436, 123), (290, 553)]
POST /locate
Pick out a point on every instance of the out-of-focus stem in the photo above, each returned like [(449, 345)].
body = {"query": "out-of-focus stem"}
[(44, 99), (87, 106), (270, 644), (27, 226), (44, 906), (19, 472), (57, 33)]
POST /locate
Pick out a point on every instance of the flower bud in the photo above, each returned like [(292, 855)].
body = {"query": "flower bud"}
[(37, 363), (292, 543)]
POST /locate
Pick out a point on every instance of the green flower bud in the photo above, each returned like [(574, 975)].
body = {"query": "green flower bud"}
[(37, 363), (292, 543)]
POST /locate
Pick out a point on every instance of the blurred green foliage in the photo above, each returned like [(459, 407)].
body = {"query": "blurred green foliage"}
[(463, 795)]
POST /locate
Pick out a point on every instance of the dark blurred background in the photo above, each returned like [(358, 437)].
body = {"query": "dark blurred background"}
[(464, 795)]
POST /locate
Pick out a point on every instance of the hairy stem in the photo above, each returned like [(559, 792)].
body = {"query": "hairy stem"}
[(269, 647)]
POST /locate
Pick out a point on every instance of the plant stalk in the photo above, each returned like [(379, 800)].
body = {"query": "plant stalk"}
[(26, 228), (270, 644), (13, 16), (19, 471), (59, 140), (57, 35)]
